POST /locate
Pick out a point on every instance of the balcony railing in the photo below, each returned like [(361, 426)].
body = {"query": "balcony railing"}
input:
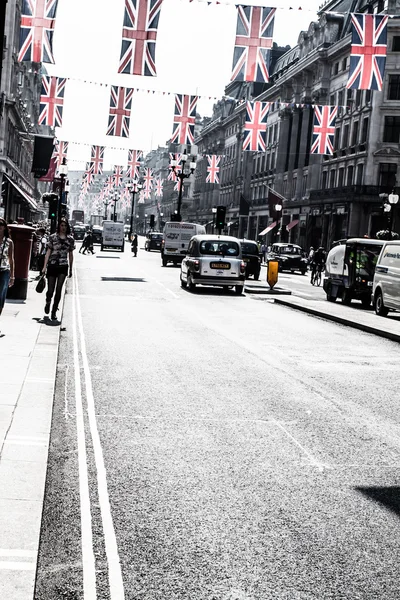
[(350, 191)]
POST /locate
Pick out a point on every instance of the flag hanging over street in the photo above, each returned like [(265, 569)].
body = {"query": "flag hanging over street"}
[(118, 174), (139, 35), (60, 152), (184, 119), (38, 18), (148, 179), (97, 158), (52, 101), (255, 127), (120, 111), (368, 51), (172, 175), (108, 184), (134, 162), (88, 173), (324, 129), (159, 188), (213, 168), (254, 31)]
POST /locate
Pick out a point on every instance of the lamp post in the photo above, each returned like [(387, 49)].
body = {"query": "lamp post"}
[(393, 200), (278, 216), (133, 188), (63, 172), (106, 203), (115, 200), (214, 212), (182, 175), (145, 223)]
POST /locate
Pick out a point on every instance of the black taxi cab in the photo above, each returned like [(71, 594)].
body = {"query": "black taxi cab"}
[(213, 260)]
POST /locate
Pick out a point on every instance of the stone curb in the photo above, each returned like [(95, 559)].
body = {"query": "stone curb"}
[(341, 320)]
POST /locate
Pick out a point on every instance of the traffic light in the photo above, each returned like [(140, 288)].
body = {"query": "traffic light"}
[(152, 221), (220, 218), (53, 206)]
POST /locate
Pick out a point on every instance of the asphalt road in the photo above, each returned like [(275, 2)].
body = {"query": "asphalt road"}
[(214, 447)]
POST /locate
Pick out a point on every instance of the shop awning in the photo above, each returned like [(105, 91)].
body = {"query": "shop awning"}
[(24, 194), (269, 228), (292, 224)]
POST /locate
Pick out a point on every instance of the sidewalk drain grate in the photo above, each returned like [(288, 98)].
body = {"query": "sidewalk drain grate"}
[(122, 279)]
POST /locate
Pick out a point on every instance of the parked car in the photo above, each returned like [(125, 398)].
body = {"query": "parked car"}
[(153, 241), (79, 231), (350, 268), (213, 260), (97, 234), (290, 257), (386, 284), (252, 258)]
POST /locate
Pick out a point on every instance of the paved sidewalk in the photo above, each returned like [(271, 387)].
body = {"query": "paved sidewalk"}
[(28, 360), (351, 316)]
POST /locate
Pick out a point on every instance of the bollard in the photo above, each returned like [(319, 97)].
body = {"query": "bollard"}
[(22, 236), (272, 273)]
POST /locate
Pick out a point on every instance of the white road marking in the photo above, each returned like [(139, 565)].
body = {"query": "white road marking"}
[(164, 286), (6, 565), (88, 559), (10, 553), (114, 566), (66, 413), (26, 439), (321, 466)]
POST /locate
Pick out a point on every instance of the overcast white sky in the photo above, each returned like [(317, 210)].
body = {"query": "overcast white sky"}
[(193, 56)]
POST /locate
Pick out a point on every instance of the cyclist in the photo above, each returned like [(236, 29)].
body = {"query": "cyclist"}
[(318, 262)]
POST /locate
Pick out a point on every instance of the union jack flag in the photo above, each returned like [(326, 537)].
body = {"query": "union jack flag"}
[(60, 152), (172, 173), (255, 127), (254, 30), (213, 168), (148, 179), (368, 51), (88, 175), (141, 197), (139, 35), (38, 18), (97, 158), (184, 119), (146, 192), (324, 129), (108, 184), (120, 111), (52, 101), (134, 164), (118, 174), (159, 188)]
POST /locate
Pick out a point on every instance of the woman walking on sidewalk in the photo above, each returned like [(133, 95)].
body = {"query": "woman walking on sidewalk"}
[(58, 261), (6, 263)]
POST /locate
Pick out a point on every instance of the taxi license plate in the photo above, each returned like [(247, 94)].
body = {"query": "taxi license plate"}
[(171, 249), (220, 265)]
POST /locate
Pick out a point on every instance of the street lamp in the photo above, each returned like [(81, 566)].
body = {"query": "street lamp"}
[(278, 216), (214, 212), (115, 200), (181, 175), (133, 187), (63, 172), (106, 203), (145, 224), (393, 200)]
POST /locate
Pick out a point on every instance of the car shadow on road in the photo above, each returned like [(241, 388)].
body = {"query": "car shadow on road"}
[(205, 291), (388, 496)]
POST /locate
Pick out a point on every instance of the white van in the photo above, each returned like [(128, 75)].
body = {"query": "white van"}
[(386, 286), (176, 238), (113, 236)]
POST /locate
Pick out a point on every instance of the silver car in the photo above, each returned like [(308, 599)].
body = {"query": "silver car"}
[(213, 260)]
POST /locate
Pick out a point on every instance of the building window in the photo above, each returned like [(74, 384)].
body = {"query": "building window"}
[(324, 179), (332, 100), (394, 87), (354, 135), (332, 178), (340, 103), (337, 139), (345, 139), (336, 68), (350, 171), (358, 98), (364, 132), (341, 177), (368, 96), (344, 64), (396, 44), (304, 184), (294, 186), (387, 175), (360, 174), (391, 132)]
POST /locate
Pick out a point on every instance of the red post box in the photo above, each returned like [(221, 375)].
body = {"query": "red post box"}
[(22, 236)]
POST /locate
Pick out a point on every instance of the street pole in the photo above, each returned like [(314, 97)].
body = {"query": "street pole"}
[(115, 211), (132, 210), (181, 176), (63, 170), (105, 210)]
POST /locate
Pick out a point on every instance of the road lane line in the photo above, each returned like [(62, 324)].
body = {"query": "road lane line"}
[(164, 286), (66, 413), (321, 466), (88, 559), (110, 540)]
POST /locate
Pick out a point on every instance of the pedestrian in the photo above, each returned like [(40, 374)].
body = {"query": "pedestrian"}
[(58, 264), (6, 263), (135, 245), (42, 248), (87, 243)]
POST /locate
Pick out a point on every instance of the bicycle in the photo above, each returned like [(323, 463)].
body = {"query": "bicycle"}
[(316, 277)]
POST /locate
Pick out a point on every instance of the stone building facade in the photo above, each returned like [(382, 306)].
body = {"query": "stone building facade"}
[(326, 197), (19, 111)]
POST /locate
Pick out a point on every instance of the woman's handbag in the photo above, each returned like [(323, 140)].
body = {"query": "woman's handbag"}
[(41, 284)]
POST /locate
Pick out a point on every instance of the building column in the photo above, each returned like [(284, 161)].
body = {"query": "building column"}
[(294, 139), (305, 125), (283, 143)]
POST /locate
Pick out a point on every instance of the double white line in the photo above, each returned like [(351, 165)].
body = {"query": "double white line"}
[(88, 558)]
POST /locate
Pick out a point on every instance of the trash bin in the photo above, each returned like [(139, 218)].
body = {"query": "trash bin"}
[(22, 236)]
